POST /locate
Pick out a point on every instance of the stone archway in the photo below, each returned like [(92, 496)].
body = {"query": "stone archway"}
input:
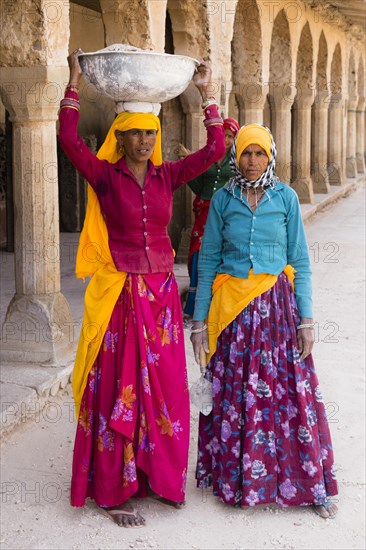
[(301, 141), (360, 118), (246, 55), (335, 120), (281, 94), (351, 166), (319, 122)]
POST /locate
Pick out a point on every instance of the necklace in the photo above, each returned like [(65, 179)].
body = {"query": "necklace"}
[(257, 197)]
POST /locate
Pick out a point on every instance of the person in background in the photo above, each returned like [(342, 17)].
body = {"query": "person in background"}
[(129, 380), (267, 438), (204, 186)]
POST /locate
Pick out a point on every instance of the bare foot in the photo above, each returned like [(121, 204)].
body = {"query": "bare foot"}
[(124, 515), (328, 510)]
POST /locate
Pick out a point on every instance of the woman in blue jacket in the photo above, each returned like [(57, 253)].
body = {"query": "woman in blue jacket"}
[(267, 438)]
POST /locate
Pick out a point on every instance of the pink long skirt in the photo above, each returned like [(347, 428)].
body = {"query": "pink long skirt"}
[(133, 427)]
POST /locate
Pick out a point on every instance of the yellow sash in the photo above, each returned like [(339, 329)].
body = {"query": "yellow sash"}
[(231, 295), (101, 296), (94, 258)]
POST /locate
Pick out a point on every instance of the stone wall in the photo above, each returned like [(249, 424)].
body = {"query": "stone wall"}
[(87, 32)]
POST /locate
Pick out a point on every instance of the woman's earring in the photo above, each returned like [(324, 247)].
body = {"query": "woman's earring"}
[(120, 149)]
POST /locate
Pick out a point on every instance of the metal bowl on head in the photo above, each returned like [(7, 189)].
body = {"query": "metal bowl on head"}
[(144, 78)]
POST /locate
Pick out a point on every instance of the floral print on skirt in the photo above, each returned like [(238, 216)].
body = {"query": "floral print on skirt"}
[(267, 438), (133, 426)]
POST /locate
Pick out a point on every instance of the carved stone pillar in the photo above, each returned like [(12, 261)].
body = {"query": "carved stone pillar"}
[(360, 135), (194, 140), (351, 166), (301, 147), (251, 103), (335, 131), (319, 126), (281, 100), (38, 326)]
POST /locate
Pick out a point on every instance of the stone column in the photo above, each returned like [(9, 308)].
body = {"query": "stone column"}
[(360, 135), (38, 326), (335, 130), (319, 126), (252, 103), (126, 22), (281, 100), (195, 139), (301, 179), (351, 166)]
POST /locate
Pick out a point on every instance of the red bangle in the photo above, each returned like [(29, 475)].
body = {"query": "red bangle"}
[(213, 121)]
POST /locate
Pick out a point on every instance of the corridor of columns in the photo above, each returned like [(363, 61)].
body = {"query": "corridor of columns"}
[(298, 67)]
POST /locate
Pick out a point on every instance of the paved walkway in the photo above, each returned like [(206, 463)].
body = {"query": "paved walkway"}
[(36, 457)]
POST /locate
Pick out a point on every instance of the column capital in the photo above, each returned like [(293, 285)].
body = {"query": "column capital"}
[(336, 101), (281, 96), (252, 95), (33, 94), (352, 102), (361, 104), (322, 100), (304, 99)]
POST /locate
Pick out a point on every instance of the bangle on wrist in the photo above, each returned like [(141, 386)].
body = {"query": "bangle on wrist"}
[(209, 101), (198, 330), (306, 325), (213, 122), (70, 102)]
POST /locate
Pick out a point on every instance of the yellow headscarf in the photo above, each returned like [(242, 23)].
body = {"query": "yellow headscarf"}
[(93, 250), (253, 134)]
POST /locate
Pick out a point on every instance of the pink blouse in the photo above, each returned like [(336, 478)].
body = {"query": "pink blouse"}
[(137, 218)]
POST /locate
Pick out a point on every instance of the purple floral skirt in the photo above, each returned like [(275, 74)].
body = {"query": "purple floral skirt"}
[(267, 438)]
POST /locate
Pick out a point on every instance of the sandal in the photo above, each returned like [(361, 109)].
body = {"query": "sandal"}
[(323, 510), (123, 517)]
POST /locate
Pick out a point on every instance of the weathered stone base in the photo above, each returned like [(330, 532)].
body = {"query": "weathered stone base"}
[(334, 174), (26, 392), (320, 181), (304, 189), (351, 167), (360, 163), (38, 329)]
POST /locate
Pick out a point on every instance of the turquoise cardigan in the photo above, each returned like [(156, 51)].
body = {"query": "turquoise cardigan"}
[(268, 239)]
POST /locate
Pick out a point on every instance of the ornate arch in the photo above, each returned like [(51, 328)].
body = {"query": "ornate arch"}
[(336, 72), (304, 62), (321, 66), (280, 63)]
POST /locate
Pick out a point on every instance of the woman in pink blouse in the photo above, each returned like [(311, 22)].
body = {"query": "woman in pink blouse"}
[(129, 382)]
